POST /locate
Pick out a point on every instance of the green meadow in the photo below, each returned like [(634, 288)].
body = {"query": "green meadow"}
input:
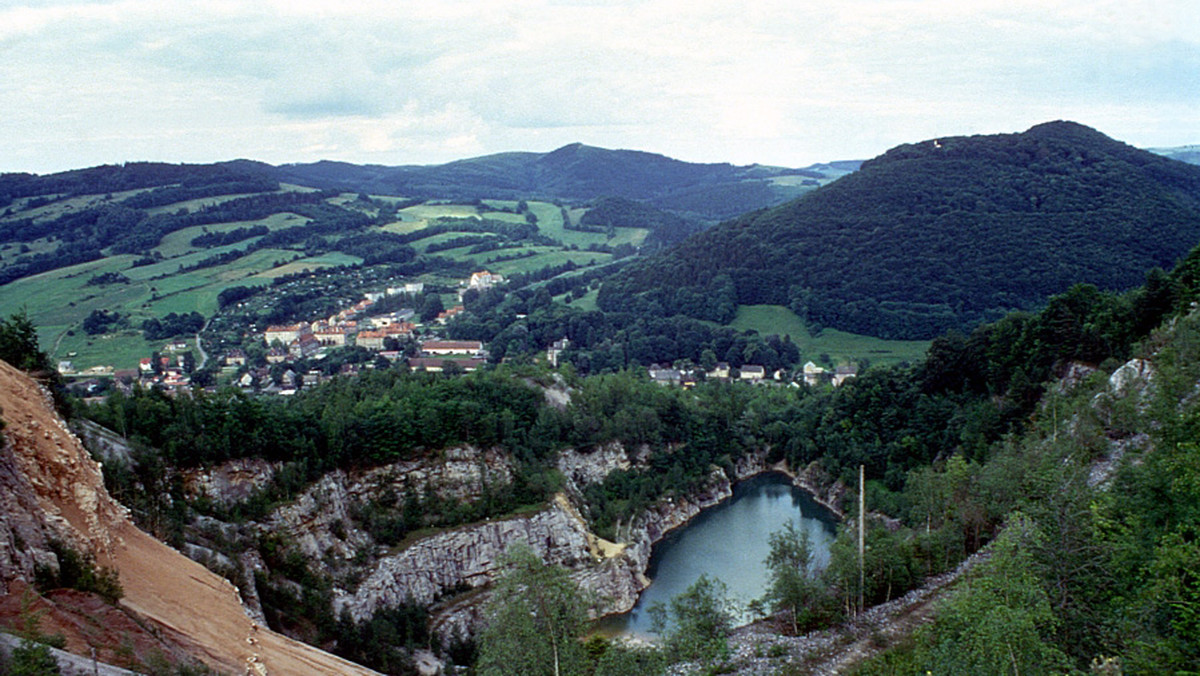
[(841, 347), (58, 301)]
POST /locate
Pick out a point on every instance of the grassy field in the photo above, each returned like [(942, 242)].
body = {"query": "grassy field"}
[(586, 302), (841, 347), (328, 260), (550, 223), (60, 207), (422, 245), (429, 212), (546, 256), (58, 301), (179, 243), (198, 203)]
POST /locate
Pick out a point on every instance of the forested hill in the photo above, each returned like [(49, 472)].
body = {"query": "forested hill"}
[(576, 172), (940, 234)]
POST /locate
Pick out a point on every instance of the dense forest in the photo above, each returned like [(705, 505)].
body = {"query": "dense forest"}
[(941, 235)]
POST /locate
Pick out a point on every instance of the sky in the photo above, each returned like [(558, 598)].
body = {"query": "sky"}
[(787, 83)]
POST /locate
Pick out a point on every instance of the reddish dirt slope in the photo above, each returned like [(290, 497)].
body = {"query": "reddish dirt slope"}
[(193, 606)]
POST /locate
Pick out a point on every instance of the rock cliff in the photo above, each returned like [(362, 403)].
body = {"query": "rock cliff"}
[(454, 568), (451, 571)]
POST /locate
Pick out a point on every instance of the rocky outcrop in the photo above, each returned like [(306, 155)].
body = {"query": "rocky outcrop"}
[(824, 489), (582, 469), (1135, 376), (320, 523), (230, 482), (24, 530), (453, 569), (461, 473), (466, 557), (322, 520), (45, 457), (102, 442), (1130, 389)]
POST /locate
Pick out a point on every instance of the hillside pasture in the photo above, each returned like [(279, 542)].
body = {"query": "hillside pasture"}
[(429, 212), (422, 245), (59, 301), (544, 256), (60, 207), (312, 264), (842, 347), (550, 223), (199, 203), (179, 243)]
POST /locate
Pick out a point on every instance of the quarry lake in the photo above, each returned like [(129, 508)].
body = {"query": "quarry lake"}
[(728, 542)]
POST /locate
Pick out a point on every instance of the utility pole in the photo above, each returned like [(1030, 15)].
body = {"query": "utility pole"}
[(862, 577)]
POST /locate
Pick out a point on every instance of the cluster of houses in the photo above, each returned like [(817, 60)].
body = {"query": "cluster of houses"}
[(167, 369), (812, 375), (435, 356), (351, 326), (347, 327), (356, 326)]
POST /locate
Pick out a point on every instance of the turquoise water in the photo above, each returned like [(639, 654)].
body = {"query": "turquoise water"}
[(728, 542)]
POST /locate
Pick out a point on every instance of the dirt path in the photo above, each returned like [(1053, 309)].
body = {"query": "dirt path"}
[(200, 347)]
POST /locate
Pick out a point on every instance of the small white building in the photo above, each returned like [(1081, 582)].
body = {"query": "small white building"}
[(411, 288), (440, 347), (813, 374), (843, 373), (484, 280), (556, 348), (752, 372)]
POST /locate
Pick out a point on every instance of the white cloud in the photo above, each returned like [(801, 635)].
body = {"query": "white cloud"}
[(415, 82)]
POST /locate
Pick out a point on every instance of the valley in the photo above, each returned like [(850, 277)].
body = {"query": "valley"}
[(423, 388)]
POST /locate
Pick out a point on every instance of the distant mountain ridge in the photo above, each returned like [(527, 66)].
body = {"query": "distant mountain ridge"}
[(574, 172), (940, 234), (1189, 153)]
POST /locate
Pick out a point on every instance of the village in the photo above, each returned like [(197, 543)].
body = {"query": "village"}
[(284, 358)]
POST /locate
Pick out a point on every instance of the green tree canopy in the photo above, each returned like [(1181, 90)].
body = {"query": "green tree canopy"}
[(697, 623), (536, 616), (792, 588)]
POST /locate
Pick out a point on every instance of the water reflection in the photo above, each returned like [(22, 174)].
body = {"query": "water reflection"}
[(728, 542)]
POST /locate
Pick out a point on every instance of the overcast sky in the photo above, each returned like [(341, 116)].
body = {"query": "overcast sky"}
[(396, 82)]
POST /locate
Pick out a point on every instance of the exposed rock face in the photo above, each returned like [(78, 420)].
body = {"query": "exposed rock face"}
[(582, 469), (1134, 377), (251, 562), (102, 441), (461, 473), (48, 458), (825, 490), (322, 520), (24, 530), (317, 516), (183, 602), (467, 557), (230, 482), (452, 570), (1132, 382)]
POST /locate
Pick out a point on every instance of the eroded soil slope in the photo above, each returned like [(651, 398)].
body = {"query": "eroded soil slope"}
[(191, 606)]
